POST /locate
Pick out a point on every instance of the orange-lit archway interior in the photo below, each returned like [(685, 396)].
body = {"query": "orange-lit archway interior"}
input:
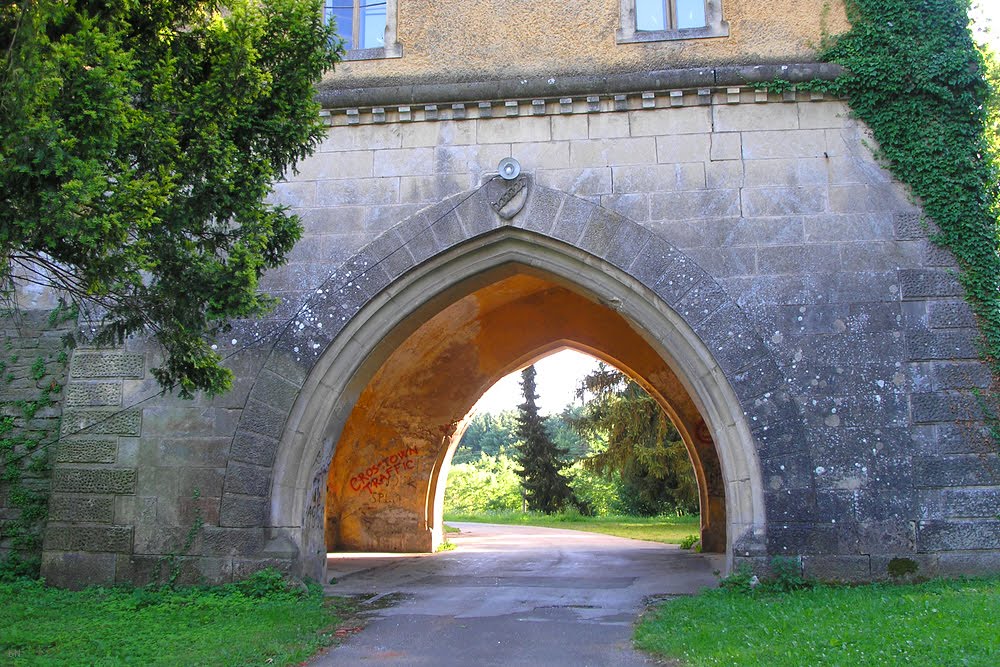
[(390, 465)]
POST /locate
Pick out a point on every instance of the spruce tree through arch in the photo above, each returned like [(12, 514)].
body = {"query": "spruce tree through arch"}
[(545, 489)]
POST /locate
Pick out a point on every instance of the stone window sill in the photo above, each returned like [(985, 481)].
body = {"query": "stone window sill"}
[(720, 29), (391, 51)]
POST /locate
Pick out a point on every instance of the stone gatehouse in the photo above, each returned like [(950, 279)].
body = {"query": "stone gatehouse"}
[(737, 251)]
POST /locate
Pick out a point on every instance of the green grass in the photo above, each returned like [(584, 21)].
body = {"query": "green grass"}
[(219, 626), (935, 623), (665, 529)]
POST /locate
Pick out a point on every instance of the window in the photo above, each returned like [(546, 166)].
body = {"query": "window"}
[(657, 20), (368, 27)]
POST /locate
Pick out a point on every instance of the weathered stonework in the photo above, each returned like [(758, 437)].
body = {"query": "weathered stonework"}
[(739, 251)]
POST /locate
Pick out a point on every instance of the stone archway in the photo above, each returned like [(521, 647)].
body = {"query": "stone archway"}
[(320, 367), (386, 483)]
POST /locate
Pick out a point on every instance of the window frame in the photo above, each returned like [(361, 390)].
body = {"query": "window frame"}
[(628, 33), (392, 48)]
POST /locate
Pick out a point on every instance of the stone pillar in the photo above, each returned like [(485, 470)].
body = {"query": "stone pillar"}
[(92, 505)]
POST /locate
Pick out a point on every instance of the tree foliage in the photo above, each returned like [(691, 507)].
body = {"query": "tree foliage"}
[(487, 434), (642, 445), (545, 489), (139, 142)]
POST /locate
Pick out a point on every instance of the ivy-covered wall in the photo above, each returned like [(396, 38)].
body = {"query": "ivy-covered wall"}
[(33, 366)]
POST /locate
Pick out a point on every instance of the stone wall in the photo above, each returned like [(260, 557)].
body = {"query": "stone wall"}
[(32, 364), (775, 199)]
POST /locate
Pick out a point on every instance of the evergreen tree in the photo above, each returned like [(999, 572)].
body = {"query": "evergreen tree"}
[(138, 145), (545, 489), (642, 445)]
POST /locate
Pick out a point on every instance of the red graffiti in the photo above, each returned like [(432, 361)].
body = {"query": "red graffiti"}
[(381, 473)]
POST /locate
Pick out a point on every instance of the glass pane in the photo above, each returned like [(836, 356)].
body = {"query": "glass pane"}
[(343, 14), (650, 15), (372, 33), (690, 14)]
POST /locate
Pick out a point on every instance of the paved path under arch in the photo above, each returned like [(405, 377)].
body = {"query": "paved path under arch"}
[(512, 595)]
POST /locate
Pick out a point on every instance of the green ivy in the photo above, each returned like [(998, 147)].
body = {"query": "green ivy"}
[(24, 459), (929, 95)]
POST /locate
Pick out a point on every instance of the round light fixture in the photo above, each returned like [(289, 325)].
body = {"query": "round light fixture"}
[(509, 168)]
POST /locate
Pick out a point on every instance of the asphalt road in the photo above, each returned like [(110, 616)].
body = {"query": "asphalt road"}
[(510, 595)]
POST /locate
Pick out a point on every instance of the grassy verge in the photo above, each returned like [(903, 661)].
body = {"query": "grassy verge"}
[(255, 623), (665, 529), (936, 623)]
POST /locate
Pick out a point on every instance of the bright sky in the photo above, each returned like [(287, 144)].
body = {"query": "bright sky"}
[(986, 15), (557, 379)]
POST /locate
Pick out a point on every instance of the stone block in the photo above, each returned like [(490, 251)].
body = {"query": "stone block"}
[(677, 278), (432, 188), (942, 344), (783, 201), (242, 511), (580, 182), (824, 115), (725, 261), (628, 243), (975, 502), (608, 152), (957, 470), (608, 125), (658, 178), (928, 283), (840, 568), (520, 129), (785, 172), (231, 541), (569, 127), (861, 198), (248, 480), (192, 452), (329, 166), (967, 564), (950, 315), (724, 174), (795, 538), (343, 137), (550, 155), (683, 148), (788, 144), (747, 117), (275, 391), (726, 146), (945, 406), (106, 364), (696, 204), (757, 379), (473, 159), (82, 509), (909, 226), (90, 394), (261, 418), (792, 258), (357, 192), (444, 133), (101, 480), (573, 219), (205, 482), (76, 571), (634, 207), (113, 539), (403, 162), (670, 122), (954, 535), (300, 194), (87, 450)]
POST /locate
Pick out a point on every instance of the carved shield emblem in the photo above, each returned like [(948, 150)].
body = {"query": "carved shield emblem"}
[(508, 197)]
